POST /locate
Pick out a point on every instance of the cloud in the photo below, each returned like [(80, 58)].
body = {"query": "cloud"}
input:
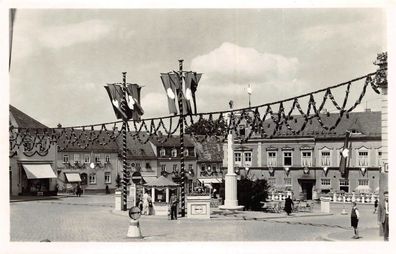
[(232, 63), (228, 69), (69, 34)]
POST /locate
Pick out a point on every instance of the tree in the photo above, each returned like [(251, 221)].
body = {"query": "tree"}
[(208, 127)]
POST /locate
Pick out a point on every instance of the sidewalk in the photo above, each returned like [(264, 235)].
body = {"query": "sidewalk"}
[(34, 198), (366, 234)]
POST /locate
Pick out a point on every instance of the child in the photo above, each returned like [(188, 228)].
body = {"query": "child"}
[(355, 220)]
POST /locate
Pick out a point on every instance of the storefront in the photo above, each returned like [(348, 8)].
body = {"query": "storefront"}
[(38, 179)]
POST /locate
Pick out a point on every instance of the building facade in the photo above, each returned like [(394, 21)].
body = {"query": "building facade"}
[(307, 165)]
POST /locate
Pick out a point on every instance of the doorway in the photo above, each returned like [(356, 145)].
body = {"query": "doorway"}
[(307, 186)]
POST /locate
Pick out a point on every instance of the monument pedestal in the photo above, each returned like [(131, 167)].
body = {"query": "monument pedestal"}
[(231, 201)]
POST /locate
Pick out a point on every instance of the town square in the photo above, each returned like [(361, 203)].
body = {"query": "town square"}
[(153, 126)]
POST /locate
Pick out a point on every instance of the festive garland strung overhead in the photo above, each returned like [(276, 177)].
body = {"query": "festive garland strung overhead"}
[(262, 121)]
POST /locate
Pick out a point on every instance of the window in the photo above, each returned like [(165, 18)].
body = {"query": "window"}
[(186, 152), (362, 159), (248, 157), (306, 159), (174, 167), (97, 158), (241, 130), (87, 158), (379, 158), (163, 167), (271, 159), (174, 153), (190, 167), (271, 181), (238, 157), (76, 157), (288, 181), (363, 182), (214, 168), (325, 181), (107, 177), (138, 166), (148, 166), (287, 158), (162, 152), (325, 159), (107, 159), (92, 178), (344, 182), (65, 158)]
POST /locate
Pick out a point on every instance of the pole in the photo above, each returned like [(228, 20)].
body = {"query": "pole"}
[(124, 147), (181, 123)]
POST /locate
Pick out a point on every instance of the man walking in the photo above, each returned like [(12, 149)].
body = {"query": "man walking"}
[(288, 205), (383, 216)]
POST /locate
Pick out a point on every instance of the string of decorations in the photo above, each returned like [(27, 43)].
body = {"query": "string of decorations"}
[(263, 121)]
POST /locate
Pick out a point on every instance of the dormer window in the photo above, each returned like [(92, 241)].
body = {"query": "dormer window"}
[(174, 153), (162, 152)]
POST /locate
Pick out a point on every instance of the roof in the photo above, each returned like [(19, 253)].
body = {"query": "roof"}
[(367, 124), (161, 181), (23, 120), (209, 150), (103, 143), (136, 149), (174, 141)]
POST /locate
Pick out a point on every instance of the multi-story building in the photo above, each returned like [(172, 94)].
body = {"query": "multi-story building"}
[(93, 165), (31, 166), (308, 164)]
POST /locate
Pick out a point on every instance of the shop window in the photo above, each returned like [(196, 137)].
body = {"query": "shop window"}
[(271, 159), (92, 178), (287, 159), (107, 177), (65, 158), (306, 159)]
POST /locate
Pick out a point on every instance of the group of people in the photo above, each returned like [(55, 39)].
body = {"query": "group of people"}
[(145, 204)]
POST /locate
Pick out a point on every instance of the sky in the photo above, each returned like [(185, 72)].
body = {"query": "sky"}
[(62, 58)]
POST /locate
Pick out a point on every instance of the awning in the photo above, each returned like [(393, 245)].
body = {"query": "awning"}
[(37, 171), (209, 180), (73, 177)]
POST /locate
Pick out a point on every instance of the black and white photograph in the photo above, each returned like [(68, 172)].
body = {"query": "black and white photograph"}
[(215, 125)]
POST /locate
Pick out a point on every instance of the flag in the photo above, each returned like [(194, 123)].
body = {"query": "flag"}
[(125, 106), (191, 83), (345, 154), (170, 82), (133, 101)]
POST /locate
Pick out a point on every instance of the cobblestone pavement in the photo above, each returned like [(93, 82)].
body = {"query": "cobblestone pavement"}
[(91, 218)]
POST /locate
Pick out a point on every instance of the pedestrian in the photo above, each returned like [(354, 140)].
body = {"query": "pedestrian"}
[(107, 189), (383, 216), (79, 191), (375, 205), (355, 220), (173, 201), (140, 204), (146, 200), (288, 205)]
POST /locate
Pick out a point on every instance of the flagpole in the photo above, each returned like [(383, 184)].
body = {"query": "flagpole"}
[(181, 123), (124, 146)]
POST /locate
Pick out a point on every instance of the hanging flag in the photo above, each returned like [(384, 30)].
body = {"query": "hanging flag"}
[(170, 88), (191, 81), (116, 97), (133, 100), (345, 154), (363, 170), (325, 170)]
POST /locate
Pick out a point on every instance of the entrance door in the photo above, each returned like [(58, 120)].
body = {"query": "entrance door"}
[(306, 186)]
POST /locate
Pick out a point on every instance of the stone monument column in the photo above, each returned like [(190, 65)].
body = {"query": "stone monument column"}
[(231, 200)]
